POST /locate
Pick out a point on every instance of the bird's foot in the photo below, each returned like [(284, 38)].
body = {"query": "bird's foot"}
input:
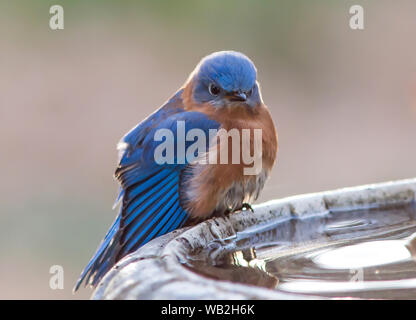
[(247, 206)]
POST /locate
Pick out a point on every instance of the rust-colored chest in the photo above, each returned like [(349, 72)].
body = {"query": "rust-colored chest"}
[(221, 186)]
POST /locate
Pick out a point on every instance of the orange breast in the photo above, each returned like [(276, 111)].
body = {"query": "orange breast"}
[(212, 185)]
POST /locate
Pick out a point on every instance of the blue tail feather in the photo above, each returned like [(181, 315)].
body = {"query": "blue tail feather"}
[(102, 251), (153, 206)]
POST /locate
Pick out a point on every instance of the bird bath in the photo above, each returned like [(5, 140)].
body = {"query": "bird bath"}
[(350, 243)]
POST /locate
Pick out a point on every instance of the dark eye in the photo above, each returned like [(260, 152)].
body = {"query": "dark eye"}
[(249, 92), (214, 90)]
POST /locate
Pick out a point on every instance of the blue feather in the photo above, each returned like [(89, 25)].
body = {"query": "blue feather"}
[(153, 204), (179, 215), (150, 194), (171, 214), (155, 219), (143, 201), (105, 244)]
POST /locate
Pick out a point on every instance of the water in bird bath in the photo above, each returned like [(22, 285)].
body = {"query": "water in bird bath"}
[(367, 253)]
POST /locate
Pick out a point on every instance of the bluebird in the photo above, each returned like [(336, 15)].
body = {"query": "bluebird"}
[(221, 93)]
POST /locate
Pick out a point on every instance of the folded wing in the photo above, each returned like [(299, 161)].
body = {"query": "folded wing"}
[(150, 192)]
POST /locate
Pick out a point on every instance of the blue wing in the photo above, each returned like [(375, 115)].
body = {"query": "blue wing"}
[(150, 192)]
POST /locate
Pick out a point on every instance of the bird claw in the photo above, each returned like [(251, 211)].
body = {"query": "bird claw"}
[(247, 206)]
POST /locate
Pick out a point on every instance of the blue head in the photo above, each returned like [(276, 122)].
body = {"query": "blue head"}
[(226, 78)]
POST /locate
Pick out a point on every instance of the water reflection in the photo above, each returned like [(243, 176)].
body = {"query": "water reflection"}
[(361, 254), (235, 273), (411, 246)]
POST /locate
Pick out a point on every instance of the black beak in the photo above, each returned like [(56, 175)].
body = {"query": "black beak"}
[(238, 96)]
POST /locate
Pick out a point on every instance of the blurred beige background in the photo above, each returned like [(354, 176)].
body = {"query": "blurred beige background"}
[(344, 102)]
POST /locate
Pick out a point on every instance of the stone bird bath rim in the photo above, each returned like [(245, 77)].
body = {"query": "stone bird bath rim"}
[(157, 271)]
